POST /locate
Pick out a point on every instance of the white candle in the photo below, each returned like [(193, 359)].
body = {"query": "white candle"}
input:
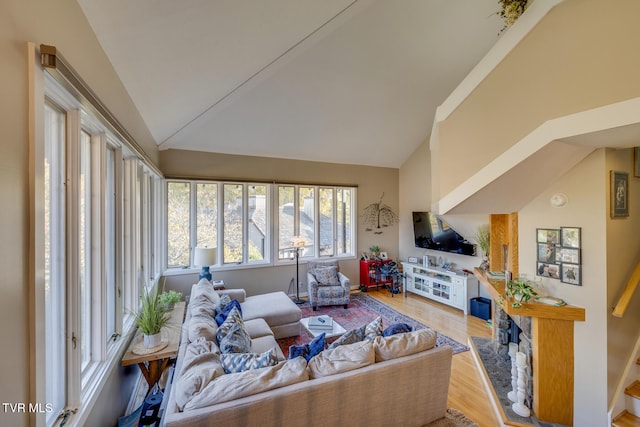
[(521, 358), (513, 349)]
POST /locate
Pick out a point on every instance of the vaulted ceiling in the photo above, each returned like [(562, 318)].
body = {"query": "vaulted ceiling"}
[(345, 81)]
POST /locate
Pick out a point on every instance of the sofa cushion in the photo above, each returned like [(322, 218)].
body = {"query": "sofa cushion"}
[(276, 308), (234, 386), (391, 347), (308, 350), (202, 325), (205, 288), (397, 328), (327, 276), (342, 359), (238, 362), (221, 315), (199, 367), (257, 328)]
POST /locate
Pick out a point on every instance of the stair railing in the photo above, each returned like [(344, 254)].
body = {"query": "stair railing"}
[(629, 290)]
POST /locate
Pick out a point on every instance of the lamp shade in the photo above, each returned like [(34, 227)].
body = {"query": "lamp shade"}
[(298, 241), (204, 257)]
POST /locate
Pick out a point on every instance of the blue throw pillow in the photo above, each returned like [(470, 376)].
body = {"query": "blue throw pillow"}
[(222, 314), (396, 328), (308, 350)]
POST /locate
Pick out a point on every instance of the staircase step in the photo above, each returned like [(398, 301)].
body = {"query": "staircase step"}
[(626, 419), (633, 390)]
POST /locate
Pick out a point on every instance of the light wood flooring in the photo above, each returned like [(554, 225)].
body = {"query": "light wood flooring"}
[(466, 389)]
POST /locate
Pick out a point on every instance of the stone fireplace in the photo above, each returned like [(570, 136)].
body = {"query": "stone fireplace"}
[(516, 329)]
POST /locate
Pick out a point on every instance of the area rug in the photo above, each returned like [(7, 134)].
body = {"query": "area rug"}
[(453, 418), (362, 309)]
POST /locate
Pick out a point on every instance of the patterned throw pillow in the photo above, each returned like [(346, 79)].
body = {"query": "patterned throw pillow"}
[(239, 362), (350, 337), (327, 276), (221, 315), (237, 340), (396, 328), (233, 318), (224, 301), (308, 350), (373, 329)]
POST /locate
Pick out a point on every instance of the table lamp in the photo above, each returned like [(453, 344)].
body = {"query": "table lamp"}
[(204, 257)]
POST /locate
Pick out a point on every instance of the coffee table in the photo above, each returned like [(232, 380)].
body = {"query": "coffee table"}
[(331, 334)]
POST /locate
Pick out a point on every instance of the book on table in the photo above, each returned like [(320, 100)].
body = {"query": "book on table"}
[(321, 322)]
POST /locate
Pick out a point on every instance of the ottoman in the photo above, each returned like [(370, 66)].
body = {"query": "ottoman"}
[(276, 308)]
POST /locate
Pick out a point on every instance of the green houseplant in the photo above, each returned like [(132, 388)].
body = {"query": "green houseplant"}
[(170, 298), (521, 291), (483, 238), (375, 250), (151, 317)]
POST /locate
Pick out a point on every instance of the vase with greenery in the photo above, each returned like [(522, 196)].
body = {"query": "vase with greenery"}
[(170, 298), (375, 250), (483, 238), (521, 290), (151, 317)]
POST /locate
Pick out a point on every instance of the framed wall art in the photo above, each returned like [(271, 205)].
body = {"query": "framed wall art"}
[(571, 274), (619, 194), (559, 254)]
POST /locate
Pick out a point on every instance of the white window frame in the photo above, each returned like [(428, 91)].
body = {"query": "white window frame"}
[(246, 262), (316, 223), (134, 233)]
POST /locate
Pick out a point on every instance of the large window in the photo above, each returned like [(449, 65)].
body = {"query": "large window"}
[(321, 216), (100, 242), (233, 217)]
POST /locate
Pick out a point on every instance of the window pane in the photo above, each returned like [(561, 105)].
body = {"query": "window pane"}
[(326, 221), (110, 245), (286, 221), (257, 222), (54, 254), (207, 215), (233, 251), (343, 221), (307, 227), (84, 236), (178, 229)]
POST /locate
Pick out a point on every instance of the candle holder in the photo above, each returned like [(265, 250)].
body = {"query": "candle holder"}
[(513, 394), (519, 407)]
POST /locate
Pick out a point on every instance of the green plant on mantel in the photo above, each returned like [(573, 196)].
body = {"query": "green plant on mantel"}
[(521, 291), (510, 11)]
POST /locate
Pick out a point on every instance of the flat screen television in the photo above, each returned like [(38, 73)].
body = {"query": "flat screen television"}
[(432, 232)]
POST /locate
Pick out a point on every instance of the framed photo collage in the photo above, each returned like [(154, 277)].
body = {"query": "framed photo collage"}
[(559, 254)]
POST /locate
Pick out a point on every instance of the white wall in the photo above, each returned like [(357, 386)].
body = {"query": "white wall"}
[(585, 186)]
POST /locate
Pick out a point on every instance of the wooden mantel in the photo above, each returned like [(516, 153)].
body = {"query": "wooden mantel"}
[(552, 342)]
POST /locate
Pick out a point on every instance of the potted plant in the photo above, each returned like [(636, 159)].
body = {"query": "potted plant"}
[(521, 291), (375, 250), (170, 298), (483, 238), (151, 317)]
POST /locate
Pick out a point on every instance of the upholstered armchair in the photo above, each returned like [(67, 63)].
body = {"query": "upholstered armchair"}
[(327, 286)]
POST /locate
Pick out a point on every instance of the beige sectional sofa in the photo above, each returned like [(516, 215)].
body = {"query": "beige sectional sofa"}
[(398, 380)]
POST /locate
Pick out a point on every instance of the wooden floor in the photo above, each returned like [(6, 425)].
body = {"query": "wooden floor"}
[(466, 390)]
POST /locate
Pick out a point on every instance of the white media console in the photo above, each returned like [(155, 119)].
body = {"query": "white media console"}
[(450, 287)]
